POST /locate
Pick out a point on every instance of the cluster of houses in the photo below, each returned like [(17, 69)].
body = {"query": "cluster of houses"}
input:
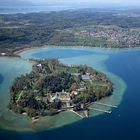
[(66, 97), (112, 34)]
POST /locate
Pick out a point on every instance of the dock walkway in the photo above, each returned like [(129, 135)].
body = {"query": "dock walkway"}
[(76, 113), (105, 104), (100, 110)]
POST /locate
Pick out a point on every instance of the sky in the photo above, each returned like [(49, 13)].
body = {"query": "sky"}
[(67, 2), (121, 2)]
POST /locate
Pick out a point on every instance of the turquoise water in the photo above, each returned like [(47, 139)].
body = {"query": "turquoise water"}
[(122, 66), (63, 54), (10, 68)]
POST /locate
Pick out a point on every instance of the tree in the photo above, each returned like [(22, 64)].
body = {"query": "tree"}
[(32, 112)]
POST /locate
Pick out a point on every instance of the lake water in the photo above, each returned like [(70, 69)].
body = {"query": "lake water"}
[(1, 78), (122, 66)]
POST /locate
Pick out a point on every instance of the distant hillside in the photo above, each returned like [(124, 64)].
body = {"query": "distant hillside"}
[(14, 3)]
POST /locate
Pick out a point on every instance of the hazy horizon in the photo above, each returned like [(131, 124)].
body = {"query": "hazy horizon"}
[(100, 3)]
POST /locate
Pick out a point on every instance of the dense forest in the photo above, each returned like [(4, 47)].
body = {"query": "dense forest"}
[(56, 28)]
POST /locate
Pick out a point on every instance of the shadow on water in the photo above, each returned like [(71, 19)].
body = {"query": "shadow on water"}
[(1, 78)]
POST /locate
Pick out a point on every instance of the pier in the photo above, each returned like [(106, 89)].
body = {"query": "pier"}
[(76, 113), (113, 106), (100, 110)]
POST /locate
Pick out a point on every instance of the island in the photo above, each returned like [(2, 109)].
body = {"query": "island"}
[(52, 87)]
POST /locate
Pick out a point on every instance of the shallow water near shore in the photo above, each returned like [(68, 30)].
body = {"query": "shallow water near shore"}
[(112, 62)]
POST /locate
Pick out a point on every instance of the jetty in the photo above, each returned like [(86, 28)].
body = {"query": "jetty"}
[(76, 113), (100, 110), (103, 104)]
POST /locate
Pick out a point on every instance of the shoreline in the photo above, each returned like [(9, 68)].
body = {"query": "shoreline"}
[(18, 53), (55, 46)]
